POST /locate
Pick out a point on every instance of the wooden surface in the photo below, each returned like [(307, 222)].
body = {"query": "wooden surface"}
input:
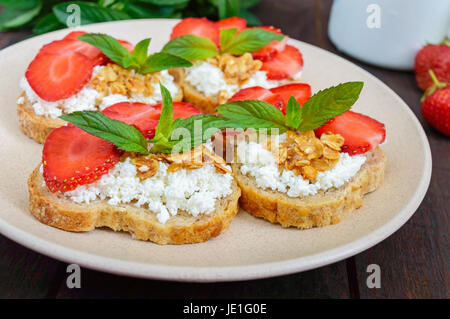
[(414, 261)]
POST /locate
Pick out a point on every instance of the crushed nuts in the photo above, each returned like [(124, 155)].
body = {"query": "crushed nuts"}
[(236, 70), (146, 165), (305, 154), (114, 79)]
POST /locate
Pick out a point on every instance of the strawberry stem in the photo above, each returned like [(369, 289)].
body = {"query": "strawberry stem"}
[(437, 85)]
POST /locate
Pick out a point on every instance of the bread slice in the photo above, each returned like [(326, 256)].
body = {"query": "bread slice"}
[(318, 210), (39, 126), (56, 210)]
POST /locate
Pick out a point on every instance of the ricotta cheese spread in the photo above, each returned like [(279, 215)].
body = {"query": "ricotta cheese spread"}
[(192, 190), (209, 80), (88, 99), (260, 164)]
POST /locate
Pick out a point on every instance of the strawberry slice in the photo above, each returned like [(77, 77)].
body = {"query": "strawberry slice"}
[(361, 133), (72, 157), (145, 117), (182, 110), (284, 64), (74, 45), (259, 93), (200, 27), (232, 23), (271, 49), (300, 91), (74, 34), (58, 76)]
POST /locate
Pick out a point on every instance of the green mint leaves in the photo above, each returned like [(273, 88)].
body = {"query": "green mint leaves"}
[(124, 136), (248, 40), (321, 107), (138, 60), (191, 47)]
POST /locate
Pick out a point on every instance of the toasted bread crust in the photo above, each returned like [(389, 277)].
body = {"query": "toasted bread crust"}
[(35, 126), (59, 211), (38, 127), (312, 211)]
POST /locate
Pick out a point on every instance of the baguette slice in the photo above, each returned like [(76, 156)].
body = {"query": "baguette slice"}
[(39, 126), (56, 210), (318, 210)]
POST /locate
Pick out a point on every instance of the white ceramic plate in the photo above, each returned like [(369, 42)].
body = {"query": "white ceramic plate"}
[(251, 248)]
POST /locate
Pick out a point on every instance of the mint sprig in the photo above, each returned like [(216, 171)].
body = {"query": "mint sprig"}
[(139, 60), (321, 107), (191, 47)]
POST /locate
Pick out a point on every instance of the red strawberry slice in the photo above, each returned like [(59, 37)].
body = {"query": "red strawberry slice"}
[(232, 23), (259, 93), (74, 45), (200, 27), (361, 133), (284, 64), (300, 91), (74, 34), (72, 157), (270, 50), (58, 76), (182, 110), (143, 116)]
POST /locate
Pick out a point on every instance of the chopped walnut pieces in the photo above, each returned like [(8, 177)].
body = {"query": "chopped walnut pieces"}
[(147, 165), (196, 158), (114, 79), (236, 69), (304, 154)]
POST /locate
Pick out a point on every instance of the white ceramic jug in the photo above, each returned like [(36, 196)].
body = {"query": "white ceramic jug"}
[(388, 33)]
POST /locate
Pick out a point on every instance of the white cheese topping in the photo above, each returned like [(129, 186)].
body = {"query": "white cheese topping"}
[(194, 191), (260, 164), (89, 99), (209, 80)]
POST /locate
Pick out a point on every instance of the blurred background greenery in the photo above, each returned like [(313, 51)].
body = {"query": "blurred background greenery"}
[(43, 16)]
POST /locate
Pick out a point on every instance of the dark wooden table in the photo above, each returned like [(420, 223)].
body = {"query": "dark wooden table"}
[(414, 261)]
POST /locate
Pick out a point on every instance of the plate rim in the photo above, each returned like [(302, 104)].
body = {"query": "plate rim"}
[(231, 273)]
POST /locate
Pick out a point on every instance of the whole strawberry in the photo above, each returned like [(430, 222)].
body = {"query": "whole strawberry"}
[(434, 57), (436, 105)]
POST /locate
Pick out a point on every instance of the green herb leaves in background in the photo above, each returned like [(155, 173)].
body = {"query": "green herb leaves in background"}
[(138, 60), (191, 47), (49, 15), (321, 107)]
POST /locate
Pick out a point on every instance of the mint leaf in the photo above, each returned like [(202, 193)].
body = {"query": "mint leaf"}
[(226, 38), (328, 103), (164, 127), (141, 50), (112, 48), (191, 47), (124, 136), (293, 113), (162, 61), (200, 128), (251, 40), (254, 114)]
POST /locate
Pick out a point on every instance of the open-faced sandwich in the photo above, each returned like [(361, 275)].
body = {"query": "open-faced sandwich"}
[(98, 172), (310, 166), (229, 56), (88, 72)]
